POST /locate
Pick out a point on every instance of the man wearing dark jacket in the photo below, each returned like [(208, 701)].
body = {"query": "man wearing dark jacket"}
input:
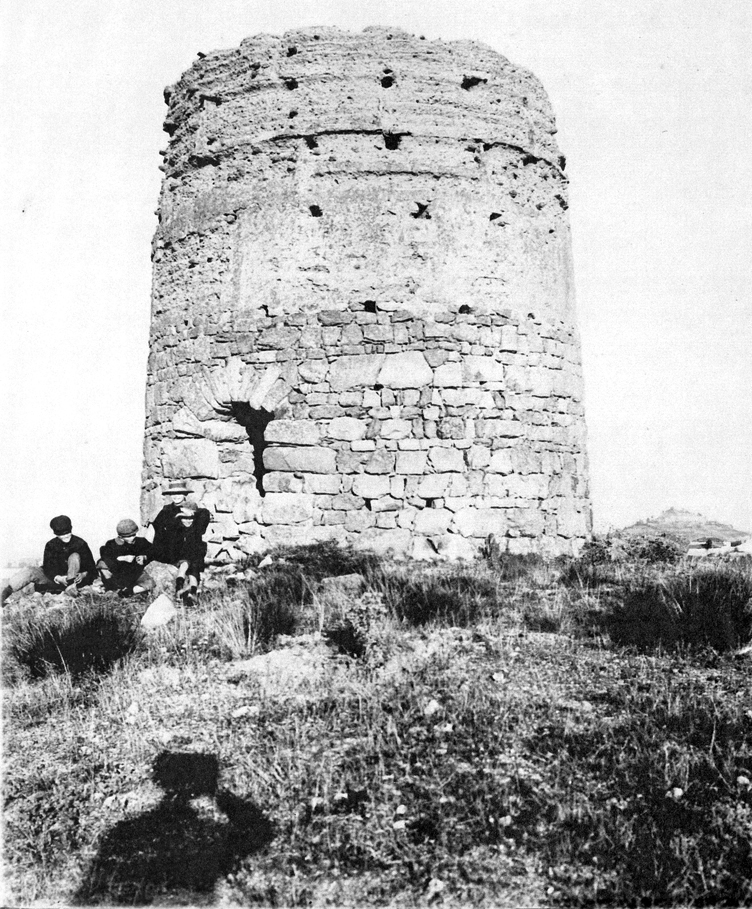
[(167, 524), (67, 564), (189, 550), (122, 561)]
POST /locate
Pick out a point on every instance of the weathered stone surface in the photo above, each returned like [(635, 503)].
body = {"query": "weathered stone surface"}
[(355, 371), (286, 508), (348, 428), (371, 486), (311, 460), (405, 370), (190, 458), (432, 521), (292, 432), (373, 291), (446, 459), (160, 612)]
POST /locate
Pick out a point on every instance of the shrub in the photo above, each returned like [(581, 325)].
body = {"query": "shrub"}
[(317, 560), (88, 637), (461, 597), (707, 608)]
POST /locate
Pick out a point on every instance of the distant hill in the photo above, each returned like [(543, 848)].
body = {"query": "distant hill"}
[(685, 526)]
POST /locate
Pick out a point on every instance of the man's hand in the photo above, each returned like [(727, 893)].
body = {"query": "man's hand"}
[(141, 560), (62, 580)]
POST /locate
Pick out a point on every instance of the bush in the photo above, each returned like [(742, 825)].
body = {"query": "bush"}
[(460, 598), (85, 638), (707, 608)]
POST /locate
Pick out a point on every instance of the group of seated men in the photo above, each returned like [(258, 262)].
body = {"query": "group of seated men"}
[(68, 564)]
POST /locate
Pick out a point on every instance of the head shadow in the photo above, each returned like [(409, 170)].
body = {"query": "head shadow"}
[(176, 849)]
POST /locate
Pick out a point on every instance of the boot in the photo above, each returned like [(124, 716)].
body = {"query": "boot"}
[(179, 582), (5, 593)]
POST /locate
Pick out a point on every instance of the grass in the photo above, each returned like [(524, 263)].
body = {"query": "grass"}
[(500, 733)]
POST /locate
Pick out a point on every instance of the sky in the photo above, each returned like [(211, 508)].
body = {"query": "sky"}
[(653, 100)]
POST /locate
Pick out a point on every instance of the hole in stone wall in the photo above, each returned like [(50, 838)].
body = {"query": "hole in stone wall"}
[(430, 503), (465, 310), (291, 83), (254, 421), (293, 113), (369, 306), (291, 51), (469, 82), (392, 141), (387, 81), (368, 503), (377, 387), (529, 159), (315, 211), (422, 211), (311, 141), (562, 202)]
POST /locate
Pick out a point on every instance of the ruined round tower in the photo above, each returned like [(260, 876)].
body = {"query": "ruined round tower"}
[(363, 323)]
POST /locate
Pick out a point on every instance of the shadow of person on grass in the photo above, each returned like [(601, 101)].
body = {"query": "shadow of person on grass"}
[(174, 849)]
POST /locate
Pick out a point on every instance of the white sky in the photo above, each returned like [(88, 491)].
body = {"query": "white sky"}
[(654, 105)]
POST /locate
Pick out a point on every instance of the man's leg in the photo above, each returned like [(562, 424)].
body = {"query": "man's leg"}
[(180, 580), (143, 583), (22, 579), (108, 581)]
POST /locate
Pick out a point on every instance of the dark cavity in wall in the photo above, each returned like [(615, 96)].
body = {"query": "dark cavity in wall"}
[(471, 81), (422, 211), (315, 211), (392, 141), (254, 421)]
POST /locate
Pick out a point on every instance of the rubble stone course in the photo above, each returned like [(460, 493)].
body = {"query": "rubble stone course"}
[(363, 322)]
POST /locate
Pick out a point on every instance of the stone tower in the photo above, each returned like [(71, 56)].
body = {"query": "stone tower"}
[(363, 324)]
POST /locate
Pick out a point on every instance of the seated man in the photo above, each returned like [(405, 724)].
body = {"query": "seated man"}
[(167, 525), (189, 550), (67, 564), (122, 561)]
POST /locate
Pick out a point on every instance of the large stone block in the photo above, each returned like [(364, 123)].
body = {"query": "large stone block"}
[(482, 369), (405, 370), (479, 522), (185, 458), (432, 521), (292, 432), (395, 429), (355, 371), (307, 460), (411, 462), (348, 429), (446, 459), (286, 508), (448, 375), (433, 486), (371, 486)]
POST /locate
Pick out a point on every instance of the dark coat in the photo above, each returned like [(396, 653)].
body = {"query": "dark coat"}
[(172, 541), (56, 555), (129, 571)]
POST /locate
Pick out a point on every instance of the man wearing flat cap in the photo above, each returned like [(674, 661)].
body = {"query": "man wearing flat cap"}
[(122, 561), (67, 564)]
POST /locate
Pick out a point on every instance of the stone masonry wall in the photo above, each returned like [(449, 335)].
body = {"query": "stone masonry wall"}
[(363, 313)]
